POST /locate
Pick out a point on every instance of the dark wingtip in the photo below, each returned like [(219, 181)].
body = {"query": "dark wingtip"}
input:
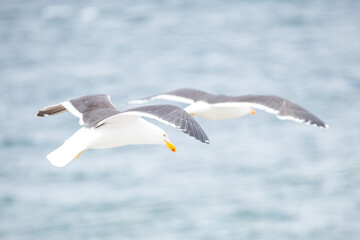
[(319, 123), (205, 138), (40, 114), (324, 125)]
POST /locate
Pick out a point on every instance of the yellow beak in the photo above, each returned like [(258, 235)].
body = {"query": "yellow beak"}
[(170, 146)]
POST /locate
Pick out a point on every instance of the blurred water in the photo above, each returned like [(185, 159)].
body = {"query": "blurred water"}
[(260, 178)]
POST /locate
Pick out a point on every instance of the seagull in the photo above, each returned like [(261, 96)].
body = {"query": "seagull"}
[(219, 107), (104, 126)]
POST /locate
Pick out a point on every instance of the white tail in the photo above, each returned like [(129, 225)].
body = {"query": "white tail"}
[(71, 149)]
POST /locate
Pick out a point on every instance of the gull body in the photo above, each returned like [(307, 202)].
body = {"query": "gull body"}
[(127, 131), (217, 111)]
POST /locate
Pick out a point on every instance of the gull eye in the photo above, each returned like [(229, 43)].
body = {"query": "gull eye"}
[(164, 135)]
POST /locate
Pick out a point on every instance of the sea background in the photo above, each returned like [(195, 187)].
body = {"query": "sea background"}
[(260, 178)]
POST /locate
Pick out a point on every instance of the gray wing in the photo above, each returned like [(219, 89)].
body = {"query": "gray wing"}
[(185, 95), (90, 109), (173, 116), (283, 108)]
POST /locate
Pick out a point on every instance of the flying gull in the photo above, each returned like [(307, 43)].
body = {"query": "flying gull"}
[(219, 107), (104, 126)]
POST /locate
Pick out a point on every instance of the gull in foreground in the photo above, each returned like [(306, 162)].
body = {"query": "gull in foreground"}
[(219, 107), (107, 127)]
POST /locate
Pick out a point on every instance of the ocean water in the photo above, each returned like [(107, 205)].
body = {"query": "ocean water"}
[(260, 178)]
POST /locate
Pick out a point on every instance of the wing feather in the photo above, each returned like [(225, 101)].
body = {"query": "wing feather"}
[(281, 107), (90, 109), (184, 95), (170, 115)]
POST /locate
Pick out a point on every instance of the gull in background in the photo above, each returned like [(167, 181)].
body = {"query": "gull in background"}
[(219, 107)]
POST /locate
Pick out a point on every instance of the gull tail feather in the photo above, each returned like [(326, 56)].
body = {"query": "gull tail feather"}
[(71, 149)]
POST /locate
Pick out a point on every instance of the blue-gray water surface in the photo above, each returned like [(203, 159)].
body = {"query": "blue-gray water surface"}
[(260, 178)]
